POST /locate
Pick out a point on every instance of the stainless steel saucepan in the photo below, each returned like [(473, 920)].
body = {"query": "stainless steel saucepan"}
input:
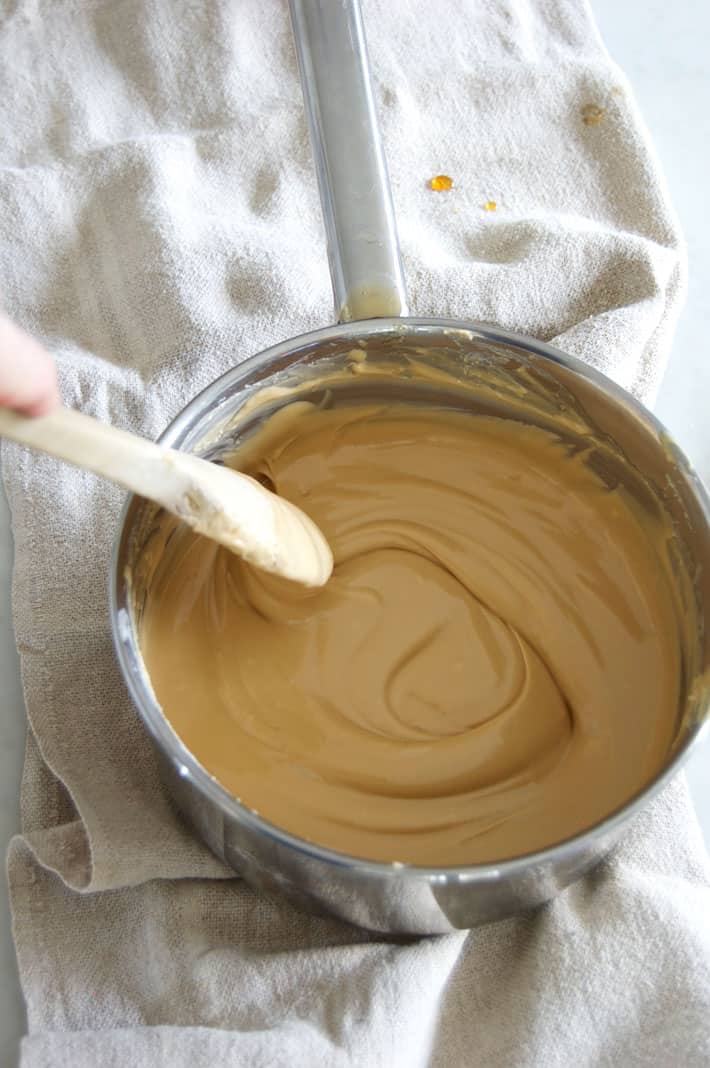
[(371, 308)]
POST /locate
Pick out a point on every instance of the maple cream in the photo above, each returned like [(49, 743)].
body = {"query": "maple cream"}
[(494, 665)]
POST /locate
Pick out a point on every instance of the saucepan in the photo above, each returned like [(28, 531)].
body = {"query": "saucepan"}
[(371, 308)]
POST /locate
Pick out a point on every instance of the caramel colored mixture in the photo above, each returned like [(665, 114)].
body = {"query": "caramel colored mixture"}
[(493, 667)]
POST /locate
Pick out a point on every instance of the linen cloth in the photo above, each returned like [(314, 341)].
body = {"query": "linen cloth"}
[(159, 222)]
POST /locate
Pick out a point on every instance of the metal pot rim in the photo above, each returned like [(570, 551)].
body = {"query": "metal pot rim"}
[(187, 766)]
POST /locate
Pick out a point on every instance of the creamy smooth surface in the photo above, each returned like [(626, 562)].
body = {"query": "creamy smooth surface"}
[(493, 666)]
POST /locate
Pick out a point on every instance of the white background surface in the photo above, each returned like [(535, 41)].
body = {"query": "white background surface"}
[(662, 47)]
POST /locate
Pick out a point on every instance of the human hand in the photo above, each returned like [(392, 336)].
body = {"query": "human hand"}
[(28, 377)]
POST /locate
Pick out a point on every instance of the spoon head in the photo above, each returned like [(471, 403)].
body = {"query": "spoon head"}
[(242, 515)]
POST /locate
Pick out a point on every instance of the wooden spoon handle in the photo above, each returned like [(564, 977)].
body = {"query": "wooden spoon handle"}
[(132, 461)]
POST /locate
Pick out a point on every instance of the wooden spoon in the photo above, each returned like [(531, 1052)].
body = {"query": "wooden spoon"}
[(233, 509)]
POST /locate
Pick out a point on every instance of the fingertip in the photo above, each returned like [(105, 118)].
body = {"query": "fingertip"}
[(44, 405), (28, 375)]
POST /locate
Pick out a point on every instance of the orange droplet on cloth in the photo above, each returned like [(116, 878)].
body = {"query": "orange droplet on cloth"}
[(490, 205), (441, 182), (592, 114)]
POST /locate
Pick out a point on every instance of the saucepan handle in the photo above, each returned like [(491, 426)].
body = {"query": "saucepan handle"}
[(361, 232)]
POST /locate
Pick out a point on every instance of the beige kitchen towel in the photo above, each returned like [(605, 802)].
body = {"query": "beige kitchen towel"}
[(158, 223)]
